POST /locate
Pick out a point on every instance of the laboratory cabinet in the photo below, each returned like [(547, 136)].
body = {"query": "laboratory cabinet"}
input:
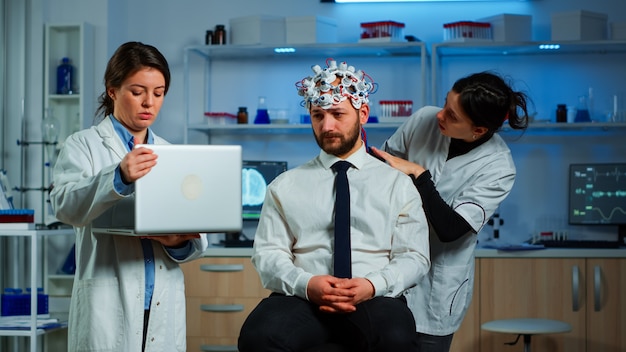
[(581, 287), (270, 66), (584, 290), (221, 292), (33, 271)]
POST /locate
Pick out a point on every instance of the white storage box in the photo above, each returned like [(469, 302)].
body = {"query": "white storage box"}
[(579, 25), (261, 29), (510, 28), (310, 29), (618, 30)]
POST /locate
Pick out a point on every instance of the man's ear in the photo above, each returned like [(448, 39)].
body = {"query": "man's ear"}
[(364, 113)]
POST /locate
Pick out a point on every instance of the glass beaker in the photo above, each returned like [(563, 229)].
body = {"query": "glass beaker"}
[(262, 116), (582, 111)]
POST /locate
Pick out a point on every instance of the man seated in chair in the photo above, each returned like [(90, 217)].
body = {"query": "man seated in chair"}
[(334, 281)]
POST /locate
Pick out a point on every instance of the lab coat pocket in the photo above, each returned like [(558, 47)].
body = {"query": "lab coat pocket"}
[(453, 286), (97, 324)]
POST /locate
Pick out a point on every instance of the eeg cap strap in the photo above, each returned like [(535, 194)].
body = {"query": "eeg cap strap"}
[(320, 91)]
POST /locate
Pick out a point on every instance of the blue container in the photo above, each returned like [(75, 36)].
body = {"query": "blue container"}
[(14, 302), (582, 115), (262, 117), (65, 77)]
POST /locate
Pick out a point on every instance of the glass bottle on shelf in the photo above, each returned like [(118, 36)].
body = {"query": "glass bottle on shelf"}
[(242, 115), (65, 77), (262, 116), (561, 113)]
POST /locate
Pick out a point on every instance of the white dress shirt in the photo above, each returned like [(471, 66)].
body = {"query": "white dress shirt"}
[(389, 231)]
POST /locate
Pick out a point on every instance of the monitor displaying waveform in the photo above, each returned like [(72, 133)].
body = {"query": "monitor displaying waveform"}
[(255, 177), (597, 194)]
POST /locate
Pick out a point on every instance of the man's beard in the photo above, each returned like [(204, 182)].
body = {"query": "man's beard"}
[(346, 142)]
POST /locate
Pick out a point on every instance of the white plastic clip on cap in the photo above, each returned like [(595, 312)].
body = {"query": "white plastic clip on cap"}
[(353, 84)]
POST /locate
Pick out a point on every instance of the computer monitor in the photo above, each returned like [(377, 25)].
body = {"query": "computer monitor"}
[(597, 195), (255, 177)]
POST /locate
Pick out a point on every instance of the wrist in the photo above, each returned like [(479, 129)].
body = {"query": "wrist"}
[(373, 288)]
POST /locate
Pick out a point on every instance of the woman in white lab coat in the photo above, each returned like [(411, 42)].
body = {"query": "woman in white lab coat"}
[(128, 292), (463, 171)]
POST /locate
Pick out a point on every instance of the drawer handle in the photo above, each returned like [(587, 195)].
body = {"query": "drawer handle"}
[(575, 288), (221, 267), (597, 289), (217, 348), (221, 307)]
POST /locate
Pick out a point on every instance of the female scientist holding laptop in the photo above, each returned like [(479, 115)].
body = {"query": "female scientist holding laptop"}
[(128, 292)]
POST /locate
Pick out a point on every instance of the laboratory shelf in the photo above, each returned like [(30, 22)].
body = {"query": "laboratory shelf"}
[(251, 129), (26, 333), (254, 52), (492, 49), (33, 236), (570, 129), (535, 129), (272, 55), (528, 48)]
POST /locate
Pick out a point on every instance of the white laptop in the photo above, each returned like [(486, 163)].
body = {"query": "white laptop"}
[(193, 188)]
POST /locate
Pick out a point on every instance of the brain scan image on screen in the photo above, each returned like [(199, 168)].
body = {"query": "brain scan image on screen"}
[(256, 175), (253, 187)]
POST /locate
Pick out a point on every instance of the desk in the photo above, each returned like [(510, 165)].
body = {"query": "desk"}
[(527, 328)]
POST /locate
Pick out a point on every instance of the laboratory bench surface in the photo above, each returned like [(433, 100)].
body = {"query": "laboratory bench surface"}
[(480, 253)]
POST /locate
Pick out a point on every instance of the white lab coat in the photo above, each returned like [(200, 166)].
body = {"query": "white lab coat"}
[(474, 185), (107, 305)]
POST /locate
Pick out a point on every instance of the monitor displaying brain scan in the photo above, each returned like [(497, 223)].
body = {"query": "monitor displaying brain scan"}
[(255, 176)]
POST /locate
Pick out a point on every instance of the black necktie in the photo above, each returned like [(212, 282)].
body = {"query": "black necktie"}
[(343, 257)]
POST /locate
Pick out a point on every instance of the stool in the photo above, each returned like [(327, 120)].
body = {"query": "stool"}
[(527, 328)]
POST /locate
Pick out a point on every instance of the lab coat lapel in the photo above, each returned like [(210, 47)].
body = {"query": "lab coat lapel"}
[(110, 139)]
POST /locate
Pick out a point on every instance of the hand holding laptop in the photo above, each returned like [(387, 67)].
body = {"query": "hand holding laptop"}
[(137, 163)]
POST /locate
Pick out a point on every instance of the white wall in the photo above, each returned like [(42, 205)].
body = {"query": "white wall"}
[(174, 25)]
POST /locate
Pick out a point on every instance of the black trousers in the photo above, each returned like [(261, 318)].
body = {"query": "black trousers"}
[(288, 323)]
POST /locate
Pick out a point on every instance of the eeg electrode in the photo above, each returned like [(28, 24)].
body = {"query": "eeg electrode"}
[(319, 89)]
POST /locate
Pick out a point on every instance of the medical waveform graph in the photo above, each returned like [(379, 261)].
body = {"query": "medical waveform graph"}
[(597, 194)]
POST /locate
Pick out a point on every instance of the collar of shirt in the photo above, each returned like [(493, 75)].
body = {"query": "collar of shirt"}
[(127, 137), (357, 159)]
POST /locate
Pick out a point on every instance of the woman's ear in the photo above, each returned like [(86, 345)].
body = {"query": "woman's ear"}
[(480, 131)]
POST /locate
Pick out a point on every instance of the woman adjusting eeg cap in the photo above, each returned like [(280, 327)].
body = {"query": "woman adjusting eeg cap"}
[(319, 89)]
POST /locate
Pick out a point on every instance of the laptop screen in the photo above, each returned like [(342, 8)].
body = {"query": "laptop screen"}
[(255, 177)]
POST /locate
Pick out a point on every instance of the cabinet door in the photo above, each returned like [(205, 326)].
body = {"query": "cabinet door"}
[(220, 293), (533, 288), (606, 306), (466, 338)]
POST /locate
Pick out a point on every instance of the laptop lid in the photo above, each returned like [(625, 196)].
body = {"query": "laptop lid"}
[(193, 188)]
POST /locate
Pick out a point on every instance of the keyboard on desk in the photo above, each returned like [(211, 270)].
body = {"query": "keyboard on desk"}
[(580, 244)]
